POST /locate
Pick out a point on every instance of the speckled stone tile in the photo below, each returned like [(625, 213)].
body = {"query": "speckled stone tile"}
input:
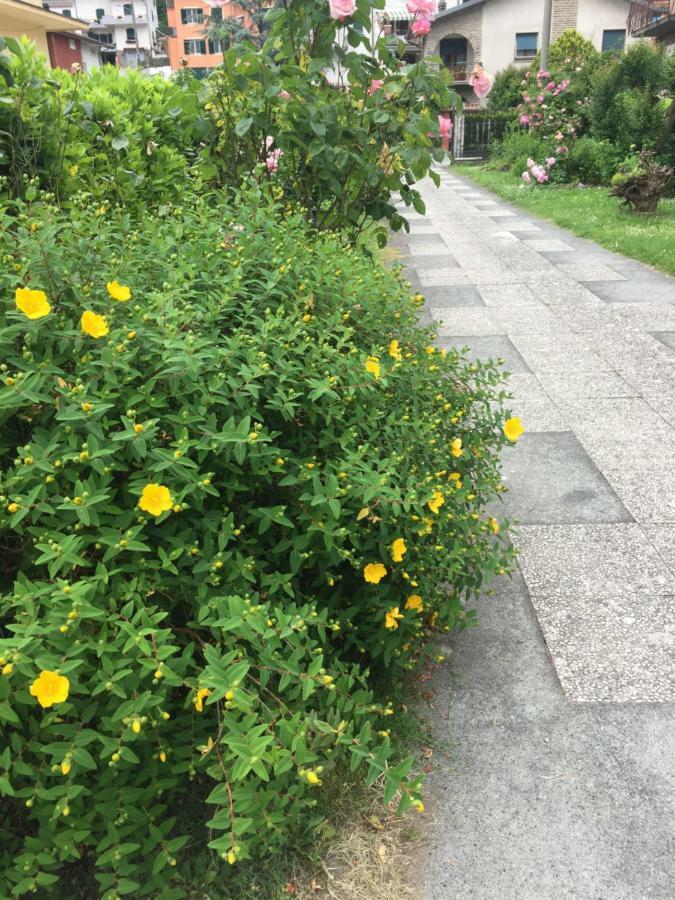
[(497, 348), (591, 559), (667, 338), (508, 295), (662, 538), (552, 480), (417, 228), (538, 415), (453, 295), (559, 353), (466, 322), (664, 406), (565, 386), (441, 259), (534, 319), (436, 277), (649, 496), (649, 316), (631, 291), (547, 245), (590, 273), (610, 648), (517, 226)]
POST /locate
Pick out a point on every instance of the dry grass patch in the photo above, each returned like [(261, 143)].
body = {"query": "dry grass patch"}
[(372, 855)]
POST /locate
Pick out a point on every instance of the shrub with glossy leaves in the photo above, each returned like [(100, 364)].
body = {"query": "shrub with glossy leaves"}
[(224, 500)]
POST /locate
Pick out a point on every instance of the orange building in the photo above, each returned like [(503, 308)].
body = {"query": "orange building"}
[(188, 44)]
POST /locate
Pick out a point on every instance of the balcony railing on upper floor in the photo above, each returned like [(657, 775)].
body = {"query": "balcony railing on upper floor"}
[(647, 14)]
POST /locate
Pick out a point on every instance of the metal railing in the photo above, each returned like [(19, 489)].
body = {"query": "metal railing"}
[(647, 13)]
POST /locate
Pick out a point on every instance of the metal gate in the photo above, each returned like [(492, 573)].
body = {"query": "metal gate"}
[(474, 133)]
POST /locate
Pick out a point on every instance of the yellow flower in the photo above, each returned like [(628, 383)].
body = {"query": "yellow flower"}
[(93, 324), (373, 366), (155, 499), (436, 502), (430, 350), (73, 170), (136, 726), (455, 476), (118, 291), (12, 507), (494, 525), (513, 428), (65, 767), (374, 572), (50, 688), (313, 778), (414, 601), (456, 447), (391, 618), (398, 549), (201, 695), (162, 756), (33, 304), (394, 350)]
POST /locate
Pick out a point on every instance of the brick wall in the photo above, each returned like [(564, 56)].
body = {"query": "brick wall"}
[(564, 16), (468, 24)]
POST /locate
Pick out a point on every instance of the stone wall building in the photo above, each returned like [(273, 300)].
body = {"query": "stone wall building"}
[(500, 33)]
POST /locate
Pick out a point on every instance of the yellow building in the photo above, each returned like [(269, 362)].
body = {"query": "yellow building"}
[(27, 17)]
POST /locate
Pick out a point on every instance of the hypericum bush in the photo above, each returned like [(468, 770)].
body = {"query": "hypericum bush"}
[(234, 478)]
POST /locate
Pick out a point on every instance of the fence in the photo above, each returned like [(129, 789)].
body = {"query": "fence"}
[(474, 132)]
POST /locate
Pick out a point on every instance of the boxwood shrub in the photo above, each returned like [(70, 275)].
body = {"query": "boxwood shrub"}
[(236, 482)]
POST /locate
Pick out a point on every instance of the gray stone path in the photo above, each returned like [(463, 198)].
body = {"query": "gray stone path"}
[(560, 709)]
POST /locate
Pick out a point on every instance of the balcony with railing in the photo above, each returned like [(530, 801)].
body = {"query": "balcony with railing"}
[(651, 18)]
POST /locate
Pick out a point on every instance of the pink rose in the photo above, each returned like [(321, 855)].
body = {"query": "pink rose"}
[(524, 120), (284, 95), (342, 9), (526, 177), (550, 161), (550, 85), (530, 163), (375, 85), (480, 81), (421, 7), (445, 127), (420, 27), (272, 161)]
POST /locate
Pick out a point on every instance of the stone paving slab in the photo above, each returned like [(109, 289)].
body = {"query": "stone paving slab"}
[(495, 348), (589, 339), (533, 797), (552, 479)]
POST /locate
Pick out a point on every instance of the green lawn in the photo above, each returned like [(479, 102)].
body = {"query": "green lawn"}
[(590, 213)]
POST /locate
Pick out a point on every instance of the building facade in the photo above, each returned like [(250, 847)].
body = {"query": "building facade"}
[(19, 18), (126, 31), (188, 45), (500, 33)]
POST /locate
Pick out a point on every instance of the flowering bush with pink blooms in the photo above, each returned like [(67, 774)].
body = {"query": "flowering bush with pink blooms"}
[(336, 147)]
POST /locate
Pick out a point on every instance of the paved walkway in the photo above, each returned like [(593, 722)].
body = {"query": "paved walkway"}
[(559, 711)]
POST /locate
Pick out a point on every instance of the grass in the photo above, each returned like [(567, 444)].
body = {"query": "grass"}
[(590, 213)]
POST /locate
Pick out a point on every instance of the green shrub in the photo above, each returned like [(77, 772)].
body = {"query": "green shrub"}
[(118, 136), (507, 89), (627, 107), (590, 161), (269, 118), (515, 148), (190, 505)]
